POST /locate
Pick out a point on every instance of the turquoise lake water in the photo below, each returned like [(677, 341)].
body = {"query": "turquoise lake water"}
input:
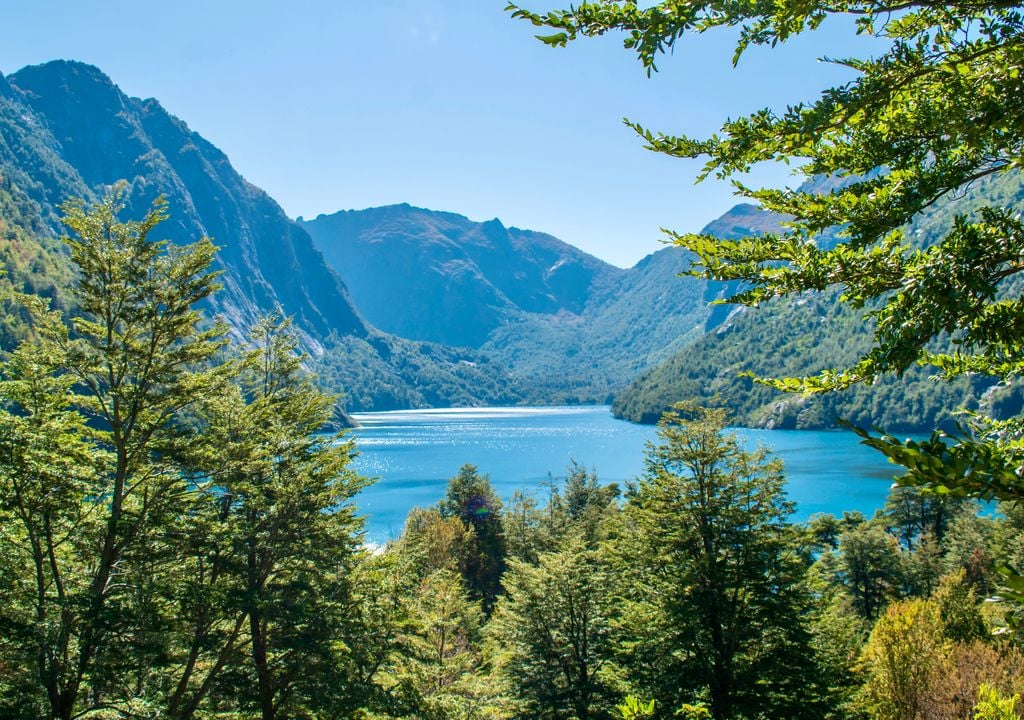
[(413, 453)]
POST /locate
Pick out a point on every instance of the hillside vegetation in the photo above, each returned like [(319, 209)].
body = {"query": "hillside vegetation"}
[(67, 131), (569, 327), (800, 336)]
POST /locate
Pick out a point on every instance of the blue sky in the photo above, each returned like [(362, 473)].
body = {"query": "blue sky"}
[(446, 104)]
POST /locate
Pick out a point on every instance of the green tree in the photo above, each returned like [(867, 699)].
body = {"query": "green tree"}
[(528, 527), (472, 499), (438, 668), (135, 359), (935, 112), (47, 467), (869, 568), (714, 603), (583, 495), (550, 634), (284, 489), (839, 634), (961, 617), (435, 542), (904, 659), (914, 515)]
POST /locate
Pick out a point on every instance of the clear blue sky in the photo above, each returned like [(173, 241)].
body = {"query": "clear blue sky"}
[(445, 104)]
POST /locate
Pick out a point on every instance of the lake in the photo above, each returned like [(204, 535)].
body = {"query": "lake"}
[(413, 454)]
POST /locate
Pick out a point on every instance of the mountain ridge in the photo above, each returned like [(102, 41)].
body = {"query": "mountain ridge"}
[(474, 273), (571, 327), (159, 155), (67, 130)]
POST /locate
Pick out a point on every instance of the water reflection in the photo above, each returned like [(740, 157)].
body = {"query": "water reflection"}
[(413, 453)]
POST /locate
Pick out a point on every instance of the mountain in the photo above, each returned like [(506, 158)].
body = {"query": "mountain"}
[(440, 277), (570, 327), (803, 335), (66, 130), (88, 135)]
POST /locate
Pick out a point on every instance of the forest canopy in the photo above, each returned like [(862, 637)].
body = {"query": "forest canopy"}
[(178, 540)]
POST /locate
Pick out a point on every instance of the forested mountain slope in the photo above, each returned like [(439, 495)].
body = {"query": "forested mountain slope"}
[(72, 132), (802, 336), (66, 130), (571, 327), (441, 277)]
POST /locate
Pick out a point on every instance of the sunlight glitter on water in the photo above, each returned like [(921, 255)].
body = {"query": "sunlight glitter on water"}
[(413, 453)]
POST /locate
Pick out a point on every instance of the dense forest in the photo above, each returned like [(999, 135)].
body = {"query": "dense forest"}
[(807, 333), (179, 541)]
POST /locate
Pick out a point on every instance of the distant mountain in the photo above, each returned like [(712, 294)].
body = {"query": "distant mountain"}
[(440, 277), (450, 311), (803, 335), (66, 130), (570, 327)]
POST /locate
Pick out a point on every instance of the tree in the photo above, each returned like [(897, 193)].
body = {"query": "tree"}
[(713, 602), (439, 667), (961, 617), (550, 634), (472, 499), (175, 527), (904, 659), (47, 467), (577, 505), (935, 113), (436, 542), (914, 515), (136, 357), (284, 491), (869, 568)]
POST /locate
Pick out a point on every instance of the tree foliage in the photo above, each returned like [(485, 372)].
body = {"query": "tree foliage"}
[(936, 110), (552, 634), (714, 601), (179, 530), (110, 393), (472, 500), (904, 658)]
